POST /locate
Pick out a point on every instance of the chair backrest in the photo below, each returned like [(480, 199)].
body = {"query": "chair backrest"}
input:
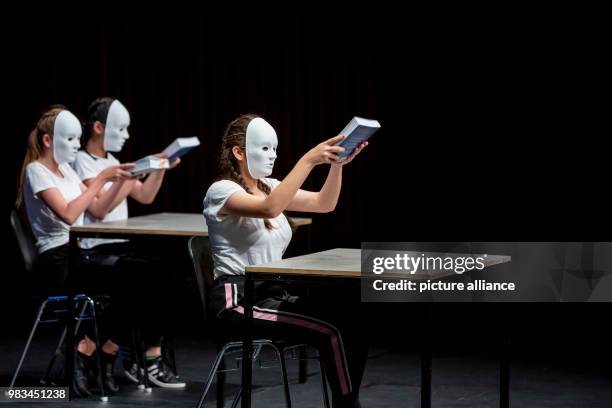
[(203, 267), (25, 240)]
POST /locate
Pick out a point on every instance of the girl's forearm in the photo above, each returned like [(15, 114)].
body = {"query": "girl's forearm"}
[(280, 198)]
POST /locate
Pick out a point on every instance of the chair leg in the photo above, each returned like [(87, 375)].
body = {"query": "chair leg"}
[(211, 375), (324, 384), (139, 350), (281, 359), (28, 342), (220, 389), (136, 359), (237, 397), (168, 347), (94, 322), (221, 376), (58, 350)]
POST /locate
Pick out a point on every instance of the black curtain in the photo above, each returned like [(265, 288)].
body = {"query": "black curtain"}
[(486, 133), (489, 128)]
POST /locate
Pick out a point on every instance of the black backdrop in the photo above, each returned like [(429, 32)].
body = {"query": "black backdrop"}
[(488, 128)]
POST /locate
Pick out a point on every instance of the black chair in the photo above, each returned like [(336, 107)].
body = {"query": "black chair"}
[(54, 308), (199, 250), (25, 240)]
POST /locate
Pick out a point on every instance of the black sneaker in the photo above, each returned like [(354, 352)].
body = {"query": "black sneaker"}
[(161, 375)]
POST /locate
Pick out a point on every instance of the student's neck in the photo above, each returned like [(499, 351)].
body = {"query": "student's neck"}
[(250, 182), (96, 148), (50, 163)]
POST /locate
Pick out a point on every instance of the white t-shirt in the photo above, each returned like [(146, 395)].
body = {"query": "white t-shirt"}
[(49, 230), (236, 242), (88, 166)]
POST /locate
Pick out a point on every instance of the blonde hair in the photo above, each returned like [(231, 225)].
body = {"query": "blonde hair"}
[(34, 148)]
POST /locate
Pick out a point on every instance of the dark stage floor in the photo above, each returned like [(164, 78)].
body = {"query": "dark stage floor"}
[(391, 380)]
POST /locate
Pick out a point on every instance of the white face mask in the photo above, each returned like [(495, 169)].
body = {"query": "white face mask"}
[(261, 143), (115, 130), (66, 137)]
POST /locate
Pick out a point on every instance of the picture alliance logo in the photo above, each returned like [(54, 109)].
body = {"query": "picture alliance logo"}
[(405, 263)]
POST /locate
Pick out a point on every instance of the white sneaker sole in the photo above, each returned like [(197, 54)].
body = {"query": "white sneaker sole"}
[(161, 384)]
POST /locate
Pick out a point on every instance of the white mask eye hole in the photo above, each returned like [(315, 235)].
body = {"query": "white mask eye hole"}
[(265, 148), (70, 139)]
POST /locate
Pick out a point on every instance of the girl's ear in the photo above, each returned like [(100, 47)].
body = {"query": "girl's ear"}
[(238, 153), (46, 139), (98, 127)]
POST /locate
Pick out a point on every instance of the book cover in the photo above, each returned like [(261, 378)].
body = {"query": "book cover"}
[(149, 164), (180, 146), (357, 131)]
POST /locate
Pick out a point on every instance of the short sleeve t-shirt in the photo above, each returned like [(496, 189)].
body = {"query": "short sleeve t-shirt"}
[(49, 230), (237, 242), (88, 166)]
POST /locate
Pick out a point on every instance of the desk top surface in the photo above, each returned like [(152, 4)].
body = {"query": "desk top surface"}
[(346, 263), (175, 224)]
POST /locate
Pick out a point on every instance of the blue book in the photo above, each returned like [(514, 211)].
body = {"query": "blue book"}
[(180, 146), (358, 130)]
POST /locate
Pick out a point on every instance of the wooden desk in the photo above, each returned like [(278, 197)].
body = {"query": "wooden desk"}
[(346, 263), (342, 264), (161, 224)]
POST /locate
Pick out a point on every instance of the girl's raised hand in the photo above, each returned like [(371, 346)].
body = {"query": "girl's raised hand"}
[(326, 152), (348, 159)]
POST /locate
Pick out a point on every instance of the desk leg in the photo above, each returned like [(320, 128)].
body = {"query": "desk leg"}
[(247, 346), (309, 239), (504, 375), (302, 360), (302, 365), (73, 250), (426, 361)]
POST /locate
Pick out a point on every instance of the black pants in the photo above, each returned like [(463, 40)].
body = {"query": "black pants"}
[(129, 278), (137, 284), (51, 270), (335, 327)]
